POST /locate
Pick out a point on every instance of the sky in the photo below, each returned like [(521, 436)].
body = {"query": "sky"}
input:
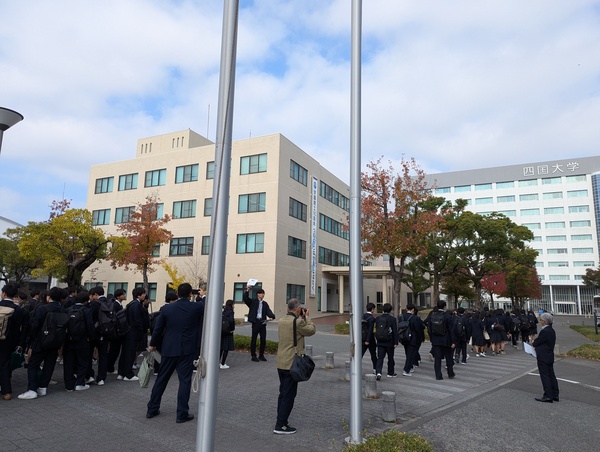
[(456, 85)]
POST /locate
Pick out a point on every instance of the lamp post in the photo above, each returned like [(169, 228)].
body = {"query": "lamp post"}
[(8, 118)]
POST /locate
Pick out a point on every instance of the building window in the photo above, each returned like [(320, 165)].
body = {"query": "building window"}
[(151, 294), (330, 257), (208, 207), (333, 227), (554, 210), (577, 193), (528, 183), (250, 243), (297, 210), (296, 247), (583, 250), (160, 211), (101, 217), (210, 170), (551, 180), (295, 291), (479, 201), (205, 248), (479, 187), (254, 202), (583, 264), (155, 178), (556, 238), (442, 190), (123, 214), (253, 164), (334, 196), (113, 286), (539, 265), (557, 251), (238, 291), (508, 213), (298, 173), (462, 188), (529, 212), (184, 209), (537, 238), (182, 246), (580, 223), (581, 237), (558, 277), (104, 185), (579, 209), (558, 264), (553, 195), (555, 224), (89, 285), (128, 182), (578, 178), (510, 198), (529, 197), (510, 184), (532, 225), (188, 173)]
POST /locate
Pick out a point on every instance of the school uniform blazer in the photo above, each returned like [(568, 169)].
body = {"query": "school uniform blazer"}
[(370, 319), (38, 320), (16, 333), (544, 344), (138, 319), (180, 325), (447, 339)]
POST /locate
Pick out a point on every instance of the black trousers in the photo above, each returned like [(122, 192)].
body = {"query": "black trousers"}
[(461, 349), (185, 367), (75, 362), (288, 389), (372, 347), (114, 349), (439, 352), (128, 355), (102, 346), (410, 351), (48, 358), (549, 381), (5, 370), (258, 328), (382, 351)]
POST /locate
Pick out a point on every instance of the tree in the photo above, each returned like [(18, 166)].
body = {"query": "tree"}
[(13, 266), (64, 246), (415, 279), (522, 280), (592, 277), (494, 283), (394, 220), (458, 286), (143, 234)]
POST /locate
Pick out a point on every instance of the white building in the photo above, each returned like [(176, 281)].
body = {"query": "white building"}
[(559, 202)]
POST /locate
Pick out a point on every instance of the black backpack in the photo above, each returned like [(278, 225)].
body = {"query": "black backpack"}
[(111, 324), (437, 323), (404, 333), (76, 324), (383, 330), (524, 323), (122, 324), (225, 324), (516, 324), (461, 329), (54, 330)]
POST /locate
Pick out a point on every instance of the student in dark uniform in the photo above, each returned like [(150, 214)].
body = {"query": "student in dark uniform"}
[(137, 317), (410, 347), (257, 316), (369, 342), (114, 346), (477, 339), (387, 347), (442, 344), (227, 342), (179, 324)]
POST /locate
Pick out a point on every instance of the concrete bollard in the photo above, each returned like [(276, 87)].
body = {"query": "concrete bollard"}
[(308, 349), (329, 360), (347, 376), (388, 405), (519, 345), (556, 350), (370, 388)]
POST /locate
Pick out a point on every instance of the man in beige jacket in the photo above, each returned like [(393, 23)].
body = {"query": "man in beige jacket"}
[(285, 356)]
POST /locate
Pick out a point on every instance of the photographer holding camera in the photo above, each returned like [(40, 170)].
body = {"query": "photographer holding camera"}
[(285, 356), (259, 311)]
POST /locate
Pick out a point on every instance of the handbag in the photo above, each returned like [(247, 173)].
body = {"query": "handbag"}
[(303, 365), (16, 360), (146, 369), (486, 335)]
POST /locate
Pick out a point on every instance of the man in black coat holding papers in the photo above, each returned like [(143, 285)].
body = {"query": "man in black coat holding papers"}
[(544, 349), (257, 316)]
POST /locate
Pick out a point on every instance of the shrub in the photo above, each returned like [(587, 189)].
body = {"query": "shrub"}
[(587, 351), (243, 343), (342, 328), (393, 441)]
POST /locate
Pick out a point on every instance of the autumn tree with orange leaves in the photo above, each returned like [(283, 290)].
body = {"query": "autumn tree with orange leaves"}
[(144, 233), (395, 220)]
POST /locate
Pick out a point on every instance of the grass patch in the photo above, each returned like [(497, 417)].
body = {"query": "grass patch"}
[(243, 343), (587, 331), (342, 328), (587, 351), (393, 441)]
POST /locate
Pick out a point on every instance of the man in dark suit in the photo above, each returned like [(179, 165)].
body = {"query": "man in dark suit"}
[(257, 316), (544, 349), (442, 333), (367, 335), (139, 324), (179, 325)]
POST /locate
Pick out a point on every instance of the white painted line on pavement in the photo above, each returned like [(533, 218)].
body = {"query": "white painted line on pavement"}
[(595, 388)]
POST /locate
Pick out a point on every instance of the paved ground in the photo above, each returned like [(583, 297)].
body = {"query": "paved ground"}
[(489, 406)]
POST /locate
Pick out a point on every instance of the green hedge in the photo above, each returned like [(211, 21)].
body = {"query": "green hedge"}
[(243, 343), (393, 441)]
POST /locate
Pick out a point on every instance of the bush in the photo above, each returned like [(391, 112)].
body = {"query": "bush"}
[(342, 328), (243, 343), (587, 351), (393, 441), (587, 331)]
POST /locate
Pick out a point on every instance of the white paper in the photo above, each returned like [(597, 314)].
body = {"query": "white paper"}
[(157, 356), (252, 282), (529, 349)]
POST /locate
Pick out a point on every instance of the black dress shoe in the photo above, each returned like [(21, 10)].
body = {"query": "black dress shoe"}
[(150, 415), (262, 358), (255, 359), (189, 417), (543, 399), (555, 399)]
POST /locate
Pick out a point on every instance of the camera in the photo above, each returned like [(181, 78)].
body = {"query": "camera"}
[(195, 291)]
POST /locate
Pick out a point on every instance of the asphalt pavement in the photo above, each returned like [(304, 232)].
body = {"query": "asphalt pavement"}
[(489, 406)]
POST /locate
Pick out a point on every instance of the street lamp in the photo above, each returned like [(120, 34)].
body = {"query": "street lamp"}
[(8, 118)]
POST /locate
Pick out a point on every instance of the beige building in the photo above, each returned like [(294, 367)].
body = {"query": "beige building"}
[(285, 228)]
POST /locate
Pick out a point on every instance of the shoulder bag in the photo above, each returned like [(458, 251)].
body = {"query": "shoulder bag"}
[(303, 365)]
